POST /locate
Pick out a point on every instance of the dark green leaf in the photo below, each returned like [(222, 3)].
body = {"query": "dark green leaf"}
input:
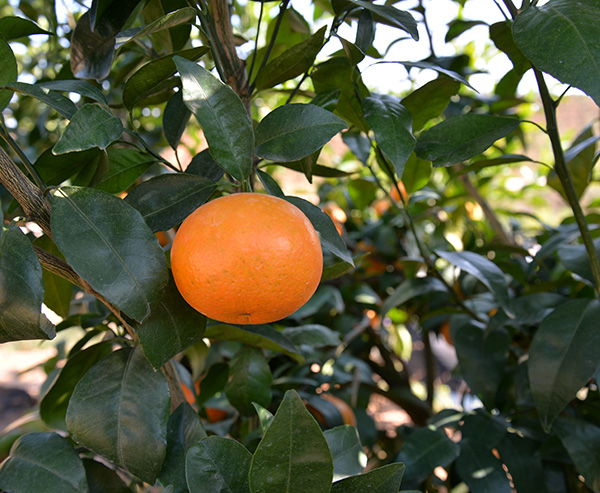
[(393, 16), (203, 164), (175, 119), (502, 36), (484, 428), (359, 144), (22, 290), (152, 75), (102, 479), (125, 167), (392, 123), (582, 441), (60, 103), (340, 268), (249, 380), (80, 87), (166, 200), (175, 18), (223, 117), (292, 62), (482, 472), (424, 450), (353, 52), (53, 406), (54, 170), (575, 258), (328, 234), (561, 38), (172, 327), (128, 402), (12, 28), (293, 131), (348, 455), (317, 170), (213, 382), (458, 26), (523, 463), (384, 479), (462, 137), (439, 69), (293, 455), (271, 186), (184, 431), (8, 73), (218, 465), (411, 288), (109, 245), (563, 356), (263, 336), (417, 173), (485, 271), (365, 31), (42, 459), (328, 99), (312, 335), (90, 127), (430, 100)]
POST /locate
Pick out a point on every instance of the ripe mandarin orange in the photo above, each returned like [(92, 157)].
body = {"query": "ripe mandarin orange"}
[(247, 258)]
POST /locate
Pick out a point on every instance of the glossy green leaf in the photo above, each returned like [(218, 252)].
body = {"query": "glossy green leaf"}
[(12, 27), (328, 234), (218, 465), (359, 144), (485, 271), (203, 164), (563, 356), (55, 100), (439, 69), (8, 73), (213, 382), (90, 127), (575, 258), (392, 16), (128, 402), (151, 75), (482, 472), (417, 174), (384, 479), (269, 183), (582, 441), (482, 358), (365, 31), (166, 200), (43, 459), (411, 288), (487, 429), (462, 137), (293, 131), (312, 335), (22, 290), (424, 450), (523, 463), (126, 166), (101, 478), (184, 431), (292, 62), (172, 327), (175, 119), (264, 416), (79, 86), (457, 27), (430, 100), (392, 123), (353, 52), (348, 455), (223, 117), (249, 380), (333, 271), (108, 244), (293, 455), (561, 38), (54, 170), (172, 19), (53, 406), (263, 336)]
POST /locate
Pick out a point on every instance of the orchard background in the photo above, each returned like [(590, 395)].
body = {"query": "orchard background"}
[(458, 220)]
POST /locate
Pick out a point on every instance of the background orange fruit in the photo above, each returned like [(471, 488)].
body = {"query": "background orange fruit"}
[(247, 258)]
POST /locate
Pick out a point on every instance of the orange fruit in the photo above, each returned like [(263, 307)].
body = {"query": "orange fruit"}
[(394, 193), (345, 411), (247, 258)]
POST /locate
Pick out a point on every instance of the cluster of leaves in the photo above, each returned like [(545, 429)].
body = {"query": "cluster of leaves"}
[(521, 314)]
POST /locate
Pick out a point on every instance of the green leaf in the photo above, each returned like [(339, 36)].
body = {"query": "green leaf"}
[(523, 462), (60, 103), (561, 38), (563, 356), (43, 459), (384, 479), (430, 100), (485, 271), (582, 441), (575, 258), (184, 431), (312, 335), (90, 127), (101, 478), (482, 358), (223, 117), (249, 380), (172, 19), (417, 173), (152, 75), (480, 470), (293, 455), (359, 144), (424, 450), (485, 428), (8, 73), (293, 131), (213, 382), (292, 62), (175, 119), (125, 167), (333, 271), (263, 336), (317, 169), (328, 234), (392, 16), (271, 186), (79, 86), (55, 170), (391, 122), (218, 465), (411, 288), (203, 164), (128, 402), (109, 245), (264, 416), (166, 200), (53, 406), (462, 137), (12, 27), (22, 290), (457, 27), (348, 455), (172, 327)]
